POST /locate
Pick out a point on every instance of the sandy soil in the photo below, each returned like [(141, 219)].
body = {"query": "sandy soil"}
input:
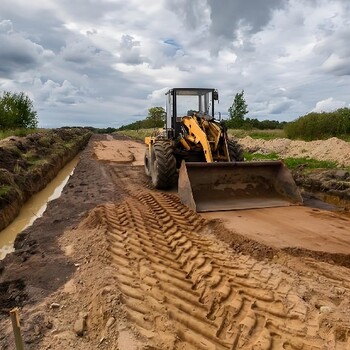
[(332, 149), (298, 227), (114, 264)]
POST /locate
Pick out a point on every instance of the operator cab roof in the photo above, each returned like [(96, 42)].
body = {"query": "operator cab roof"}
[(189, 91)]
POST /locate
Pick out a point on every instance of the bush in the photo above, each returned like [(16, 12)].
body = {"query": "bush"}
[(16, 111), (315, 126)]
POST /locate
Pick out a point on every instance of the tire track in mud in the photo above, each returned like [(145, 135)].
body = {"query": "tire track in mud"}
[(189, 291)]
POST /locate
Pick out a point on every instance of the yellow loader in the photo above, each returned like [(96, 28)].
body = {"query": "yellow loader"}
[(194, 150)]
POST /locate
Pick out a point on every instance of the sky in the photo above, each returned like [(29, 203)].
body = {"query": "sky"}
[(106, 62)]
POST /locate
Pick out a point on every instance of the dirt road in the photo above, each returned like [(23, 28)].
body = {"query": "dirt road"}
[(143, 272)]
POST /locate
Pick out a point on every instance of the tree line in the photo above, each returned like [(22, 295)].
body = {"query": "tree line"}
[(236, 120), (316, 126), (17, 111)]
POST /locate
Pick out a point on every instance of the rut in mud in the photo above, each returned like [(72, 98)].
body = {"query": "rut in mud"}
[(190, 290)]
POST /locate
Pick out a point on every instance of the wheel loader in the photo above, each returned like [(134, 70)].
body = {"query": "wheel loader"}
[(194, 150)]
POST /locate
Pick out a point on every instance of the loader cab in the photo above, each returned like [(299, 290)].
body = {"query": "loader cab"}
[(181, 102)]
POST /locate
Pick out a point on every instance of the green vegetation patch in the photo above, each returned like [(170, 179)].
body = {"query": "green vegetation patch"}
[(310, 163), (318, 126), (293, 163)]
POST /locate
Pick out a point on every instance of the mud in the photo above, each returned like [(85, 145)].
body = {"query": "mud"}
[(138, 270)]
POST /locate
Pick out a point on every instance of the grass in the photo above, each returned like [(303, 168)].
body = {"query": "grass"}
[(293, 163)]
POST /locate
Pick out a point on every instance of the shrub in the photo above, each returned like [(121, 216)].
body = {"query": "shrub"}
[(323, 125)]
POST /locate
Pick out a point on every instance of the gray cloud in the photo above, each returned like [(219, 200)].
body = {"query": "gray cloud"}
[(230, 15), (129, 52), (18, 53), (102, 61)]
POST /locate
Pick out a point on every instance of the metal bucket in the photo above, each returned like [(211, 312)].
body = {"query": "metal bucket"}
[(237, 185)]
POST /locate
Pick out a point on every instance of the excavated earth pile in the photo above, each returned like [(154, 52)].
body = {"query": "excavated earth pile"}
[(144, 272)]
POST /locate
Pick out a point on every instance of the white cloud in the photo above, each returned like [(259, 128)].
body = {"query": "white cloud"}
[(328, 105)]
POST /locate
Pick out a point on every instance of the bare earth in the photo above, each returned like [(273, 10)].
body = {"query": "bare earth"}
[(333, 149), (144, 272)]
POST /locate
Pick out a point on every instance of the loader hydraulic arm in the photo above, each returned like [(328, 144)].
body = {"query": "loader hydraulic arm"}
[(197, 135)]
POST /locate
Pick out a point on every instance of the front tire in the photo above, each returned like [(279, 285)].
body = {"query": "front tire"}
[(235, 151), (163, 165)]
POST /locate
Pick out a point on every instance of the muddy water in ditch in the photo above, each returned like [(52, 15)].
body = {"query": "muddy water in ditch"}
[(34, 208)]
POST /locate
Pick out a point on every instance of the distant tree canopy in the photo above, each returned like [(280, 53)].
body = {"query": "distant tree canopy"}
[(17, 111), (154, 119)]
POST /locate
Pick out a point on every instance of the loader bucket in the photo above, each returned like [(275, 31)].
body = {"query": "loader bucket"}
[(236, 185)]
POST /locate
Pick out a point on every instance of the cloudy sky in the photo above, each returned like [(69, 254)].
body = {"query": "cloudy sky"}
[(105, 62)]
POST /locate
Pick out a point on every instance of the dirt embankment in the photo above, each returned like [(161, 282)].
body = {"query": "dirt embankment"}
[(28, 164), (333, 149)]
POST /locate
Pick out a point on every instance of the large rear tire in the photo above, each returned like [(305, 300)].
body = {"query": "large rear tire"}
[(163, 165), (147, 162), (235, 151)]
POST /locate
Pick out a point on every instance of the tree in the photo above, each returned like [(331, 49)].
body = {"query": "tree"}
[(17, 111), (156, 117), (237, 111)]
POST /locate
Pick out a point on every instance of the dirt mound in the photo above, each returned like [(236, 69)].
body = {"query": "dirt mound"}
[(28, 164), (333, 149)]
